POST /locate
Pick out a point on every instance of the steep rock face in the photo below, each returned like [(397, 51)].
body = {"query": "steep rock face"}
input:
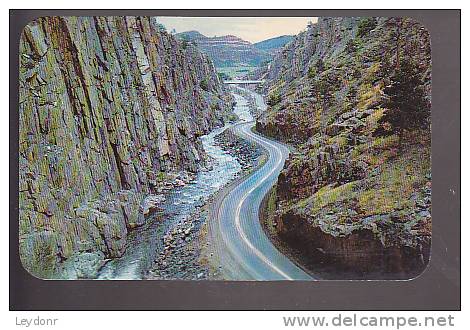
[(367, 251), (108, 107), (350, 185)]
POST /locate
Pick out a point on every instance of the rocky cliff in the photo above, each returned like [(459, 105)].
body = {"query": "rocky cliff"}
[(355, 196), (110, 108)]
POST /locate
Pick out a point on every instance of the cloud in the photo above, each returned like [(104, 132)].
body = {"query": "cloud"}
[(253, 29)]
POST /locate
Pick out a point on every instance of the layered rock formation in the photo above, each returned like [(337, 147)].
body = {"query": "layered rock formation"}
[(109, 108), (353, 196), (227, 50)]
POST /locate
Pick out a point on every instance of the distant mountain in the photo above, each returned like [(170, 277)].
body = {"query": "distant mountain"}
[(227, 51), (273, 45), (191, 35)]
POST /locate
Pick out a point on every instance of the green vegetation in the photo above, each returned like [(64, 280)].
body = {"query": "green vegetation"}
[(366, 25), (160, 177), (312, 72), (407, 105), (161, 27), (395, 183), (390, 189), (204, 85), (223, 76), (184, 41), (274, 98), (234, 71), (327, 195)]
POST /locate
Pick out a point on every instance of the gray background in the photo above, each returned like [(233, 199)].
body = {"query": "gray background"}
[(438, 288)]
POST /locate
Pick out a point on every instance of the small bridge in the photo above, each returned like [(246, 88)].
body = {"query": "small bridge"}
[(243, 82)]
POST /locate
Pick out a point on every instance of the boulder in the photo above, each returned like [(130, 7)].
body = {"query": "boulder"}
[(151, 203)]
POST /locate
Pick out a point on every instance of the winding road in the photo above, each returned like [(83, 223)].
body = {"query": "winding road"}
[(242, 247)]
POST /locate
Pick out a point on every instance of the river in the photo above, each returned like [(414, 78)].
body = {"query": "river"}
[(145, 242)]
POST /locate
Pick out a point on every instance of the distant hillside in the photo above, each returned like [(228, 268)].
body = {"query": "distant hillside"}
[(227, 51), (273, 45)]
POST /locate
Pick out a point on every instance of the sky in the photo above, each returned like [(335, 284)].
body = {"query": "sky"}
[(252, 29)]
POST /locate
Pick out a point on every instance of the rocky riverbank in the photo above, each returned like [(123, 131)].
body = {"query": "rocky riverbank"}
[(181, 252), (247, 154)]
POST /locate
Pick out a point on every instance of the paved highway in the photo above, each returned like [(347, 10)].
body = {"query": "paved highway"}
[(243, 249)]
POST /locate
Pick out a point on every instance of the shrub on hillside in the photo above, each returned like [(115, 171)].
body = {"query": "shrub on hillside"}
[(406, 100), (366, 25)]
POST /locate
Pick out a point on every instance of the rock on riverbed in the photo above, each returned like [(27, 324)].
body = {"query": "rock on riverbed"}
[(246, 152)]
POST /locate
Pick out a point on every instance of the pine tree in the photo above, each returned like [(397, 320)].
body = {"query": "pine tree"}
[(406, 100)]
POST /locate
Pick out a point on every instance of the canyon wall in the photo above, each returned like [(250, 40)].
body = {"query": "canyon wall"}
[(110, 107), (356, 192)]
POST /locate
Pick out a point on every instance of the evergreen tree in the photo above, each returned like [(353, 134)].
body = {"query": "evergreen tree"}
[(406, 100)]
